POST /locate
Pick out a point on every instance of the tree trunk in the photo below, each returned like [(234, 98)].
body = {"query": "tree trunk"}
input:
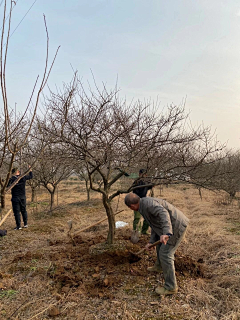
[(88, 194), (88, 190), (151, 193), (33, 194), (3, 200), (52, 199), (111, 220)]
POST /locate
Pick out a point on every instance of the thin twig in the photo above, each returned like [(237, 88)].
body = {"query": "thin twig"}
[(18, 308), (51, 305)]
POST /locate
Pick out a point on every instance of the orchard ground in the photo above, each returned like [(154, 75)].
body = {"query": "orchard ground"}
[(43, 275)]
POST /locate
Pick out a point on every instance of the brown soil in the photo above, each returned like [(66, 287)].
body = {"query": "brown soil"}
[(43, 275), (100, 269)]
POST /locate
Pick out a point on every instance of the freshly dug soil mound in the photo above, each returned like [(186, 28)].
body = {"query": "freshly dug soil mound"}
[(98, 269), (186, 266)]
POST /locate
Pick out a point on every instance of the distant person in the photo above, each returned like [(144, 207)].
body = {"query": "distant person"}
[(168, 224), (141, 192), (19, 197)]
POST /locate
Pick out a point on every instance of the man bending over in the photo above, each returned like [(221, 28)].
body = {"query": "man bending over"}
[(168, 224)]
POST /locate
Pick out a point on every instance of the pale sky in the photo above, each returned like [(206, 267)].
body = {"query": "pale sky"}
[(170, 50)]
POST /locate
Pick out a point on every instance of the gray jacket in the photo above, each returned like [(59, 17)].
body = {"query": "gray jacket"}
[(163, 218)]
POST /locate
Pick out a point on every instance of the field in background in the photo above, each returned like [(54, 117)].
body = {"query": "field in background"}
[(42, 275)]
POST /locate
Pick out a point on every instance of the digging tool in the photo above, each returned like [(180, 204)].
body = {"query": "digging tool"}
[(135, 236), (151, 246), (134, 257), (136, 233)]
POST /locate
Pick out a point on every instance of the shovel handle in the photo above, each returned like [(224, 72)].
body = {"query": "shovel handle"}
[(151, 245), (5, 217)]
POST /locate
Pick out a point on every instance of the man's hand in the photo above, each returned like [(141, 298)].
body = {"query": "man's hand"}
[(147, 247), (164, 239)]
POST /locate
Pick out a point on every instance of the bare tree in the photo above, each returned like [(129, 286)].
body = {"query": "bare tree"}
[(230, 177), (34, 183), (188, 162), (223, 174), (114, 138), (53, 167), (15, 128), (81, 170)]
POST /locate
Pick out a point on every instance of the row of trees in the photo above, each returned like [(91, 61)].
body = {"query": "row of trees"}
[(97, 134), (112, 137)]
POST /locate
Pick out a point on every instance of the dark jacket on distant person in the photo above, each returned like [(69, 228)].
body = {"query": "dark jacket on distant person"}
[(141, 192), (18, 191)]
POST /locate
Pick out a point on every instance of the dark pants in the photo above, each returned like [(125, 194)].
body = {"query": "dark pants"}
[(19, 205)]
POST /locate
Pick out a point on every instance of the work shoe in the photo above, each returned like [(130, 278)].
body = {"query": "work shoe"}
[(164, 292), (155, 268), (17, 228)]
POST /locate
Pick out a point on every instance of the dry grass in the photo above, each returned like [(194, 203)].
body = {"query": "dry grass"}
[(42, 275)]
